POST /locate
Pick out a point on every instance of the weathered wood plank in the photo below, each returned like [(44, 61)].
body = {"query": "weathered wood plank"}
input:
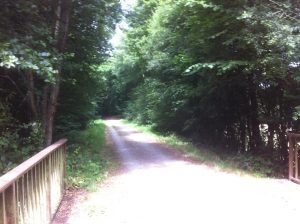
[(291, 157), (7, 179), (31, 193)]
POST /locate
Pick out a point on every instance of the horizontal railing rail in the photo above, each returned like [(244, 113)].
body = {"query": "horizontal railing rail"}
[(32, 192)]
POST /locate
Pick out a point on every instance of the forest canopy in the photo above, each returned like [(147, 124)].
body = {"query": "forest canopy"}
[(50, 52), (223, 73)]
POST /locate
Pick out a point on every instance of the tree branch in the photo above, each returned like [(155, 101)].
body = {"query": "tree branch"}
[(14, 84)]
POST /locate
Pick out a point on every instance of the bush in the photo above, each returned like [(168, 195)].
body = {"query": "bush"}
[(17, 141), (160, 105)]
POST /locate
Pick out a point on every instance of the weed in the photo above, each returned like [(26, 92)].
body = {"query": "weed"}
[(241, 164), (85, 166)]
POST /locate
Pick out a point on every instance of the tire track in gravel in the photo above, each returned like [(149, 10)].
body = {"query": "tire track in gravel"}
[(158, 186)]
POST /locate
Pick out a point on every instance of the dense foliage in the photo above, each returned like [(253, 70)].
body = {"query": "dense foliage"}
[(50, 52), (225, 73)]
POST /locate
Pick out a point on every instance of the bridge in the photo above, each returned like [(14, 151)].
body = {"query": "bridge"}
[(32, 192)]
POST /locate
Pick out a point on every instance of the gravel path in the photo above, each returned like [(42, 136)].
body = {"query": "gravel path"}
[(157, 186)]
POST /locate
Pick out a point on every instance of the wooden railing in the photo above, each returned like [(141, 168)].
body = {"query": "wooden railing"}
[(294, 140), (32, 192)]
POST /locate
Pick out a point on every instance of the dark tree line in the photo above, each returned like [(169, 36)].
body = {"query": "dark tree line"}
[(50, 83), (225, 73)]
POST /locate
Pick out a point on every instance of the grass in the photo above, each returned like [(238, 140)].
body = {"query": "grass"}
[(87, 162), (238, 164)]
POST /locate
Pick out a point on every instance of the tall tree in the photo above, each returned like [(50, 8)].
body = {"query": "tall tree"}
[(41, 43), (222, 72), (61, 20)]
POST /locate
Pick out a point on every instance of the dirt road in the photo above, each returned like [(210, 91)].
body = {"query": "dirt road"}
[(158, 187)]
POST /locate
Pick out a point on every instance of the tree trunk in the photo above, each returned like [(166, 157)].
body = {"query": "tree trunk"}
[(255, 141), (31, 95), (242, 147), (61, 25), (51, 110), (45, 99), (271, 132), (282, 130)]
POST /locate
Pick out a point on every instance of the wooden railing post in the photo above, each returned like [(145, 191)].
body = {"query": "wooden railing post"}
[(294, 139), (291, 159), (2, 209), (49, 185), (31, 193), (10, 205)]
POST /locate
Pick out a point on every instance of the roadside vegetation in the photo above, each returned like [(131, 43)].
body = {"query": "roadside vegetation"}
[(222, 73), (87, 160), (225, 74), (17, 141), (241, 164), (46, 46)]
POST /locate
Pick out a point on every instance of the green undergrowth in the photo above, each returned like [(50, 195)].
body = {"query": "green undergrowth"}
[(241, 164), (86, 161)]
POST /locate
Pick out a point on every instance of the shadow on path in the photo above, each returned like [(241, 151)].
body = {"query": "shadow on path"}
[(159, 186)]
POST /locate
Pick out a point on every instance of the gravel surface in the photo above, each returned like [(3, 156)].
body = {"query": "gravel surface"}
[(156, 185)]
